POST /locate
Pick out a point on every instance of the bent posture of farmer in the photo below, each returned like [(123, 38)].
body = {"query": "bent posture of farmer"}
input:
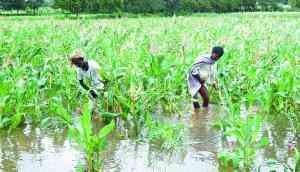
[(87, 72), (201, 71)]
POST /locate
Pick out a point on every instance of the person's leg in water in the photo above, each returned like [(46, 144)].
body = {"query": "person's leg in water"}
[(196, 105), (204, 94)]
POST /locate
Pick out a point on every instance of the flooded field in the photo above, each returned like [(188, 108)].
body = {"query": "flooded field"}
[(32, 149), (143, 62)]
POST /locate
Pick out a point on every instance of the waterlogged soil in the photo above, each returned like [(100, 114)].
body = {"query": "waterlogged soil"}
[(32, 149)]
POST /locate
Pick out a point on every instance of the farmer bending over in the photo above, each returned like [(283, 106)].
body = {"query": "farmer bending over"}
[(87, 70), (199, 74)]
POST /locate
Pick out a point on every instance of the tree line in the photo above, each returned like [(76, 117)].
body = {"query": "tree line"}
[(150, 6), (20, 4)]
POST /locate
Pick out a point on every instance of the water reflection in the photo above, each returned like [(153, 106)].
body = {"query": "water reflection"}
[(197, 154), (280, 136), (32, 149), (202, 137)]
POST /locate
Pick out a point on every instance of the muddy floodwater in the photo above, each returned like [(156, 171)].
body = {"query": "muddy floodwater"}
[(32, 149)]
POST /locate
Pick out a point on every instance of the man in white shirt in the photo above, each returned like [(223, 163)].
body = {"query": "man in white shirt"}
[(201, 71), (87, 70)]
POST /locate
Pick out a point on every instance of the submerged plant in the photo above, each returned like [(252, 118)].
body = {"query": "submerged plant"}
[(93, 144), (169, 136), (243, 137)]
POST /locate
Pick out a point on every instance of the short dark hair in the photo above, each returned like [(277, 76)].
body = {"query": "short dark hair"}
[(76, 59), (218, 50)]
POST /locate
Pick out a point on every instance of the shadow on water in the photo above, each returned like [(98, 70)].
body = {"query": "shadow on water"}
[(33, 149)]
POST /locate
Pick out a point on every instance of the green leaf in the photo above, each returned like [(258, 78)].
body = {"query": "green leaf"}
[(106, 130), (17, 119), (263, 142), (4, 122), (45, 122)]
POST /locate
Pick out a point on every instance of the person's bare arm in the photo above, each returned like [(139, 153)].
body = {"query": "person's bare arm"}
[(83, 85)]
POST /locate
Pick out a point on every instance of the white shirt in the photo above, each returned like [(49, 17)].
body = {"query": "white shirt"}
[(91, 75)]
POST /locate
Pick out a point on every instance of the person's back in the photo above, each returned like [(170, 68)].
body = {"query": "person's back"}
[(91, 75), (203, 66)]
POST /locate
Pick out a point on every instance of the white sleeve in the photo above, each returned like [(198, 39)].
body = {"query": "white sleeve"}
[(96, 83), (80, 75)]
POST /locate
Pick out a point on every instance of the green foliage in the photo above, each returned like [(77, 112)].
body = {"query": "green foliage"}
[(169, 136), (74, 6), (144, 62), (34, 4), (144, 6), (167, 6), (13, 4), (244, 134), (268, 5), (20, 4), (92, 143), (295, 3)]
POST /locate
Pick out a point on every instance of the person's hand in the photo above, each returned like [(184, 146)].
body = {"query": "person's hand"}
[(78, 94), (93, 93), (215, 84)]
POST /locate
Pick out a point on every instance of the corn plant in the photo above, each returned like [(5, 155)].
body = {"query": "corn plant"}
[(93, 144), (144, 62), (168, 136), (248, 142), (242, 136)]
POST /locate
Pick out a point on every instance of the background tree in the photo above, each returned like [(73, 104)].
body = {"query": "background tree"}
[(34, 4), (269, 5), (12, 4), (144, 6), (74, 6), (154, 6), (295, 3), (111, 5), (172, 6)]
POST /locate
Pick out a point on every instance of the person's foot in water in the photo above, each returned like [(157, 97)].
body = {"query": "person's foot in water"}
[(197, 108), (196, 105)]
